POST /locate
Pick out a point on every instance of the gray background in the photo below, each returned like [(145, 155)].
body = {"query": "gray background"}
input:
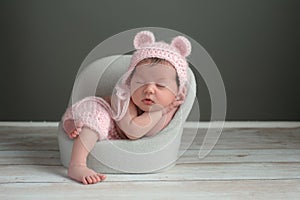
[(255, 45)]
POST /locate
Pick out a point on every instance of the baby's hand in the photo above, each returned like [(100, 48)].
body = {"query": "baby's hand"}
[(172, 106), (73, 128), (176, 103)]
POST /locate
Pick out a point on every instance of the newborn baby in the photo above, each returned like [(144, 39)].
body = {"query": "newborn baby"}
[(142, 104)]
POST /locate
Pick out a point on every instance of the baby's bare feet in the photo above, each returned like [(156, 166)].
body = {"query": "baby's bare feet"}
[(83, 174), (73, 128)]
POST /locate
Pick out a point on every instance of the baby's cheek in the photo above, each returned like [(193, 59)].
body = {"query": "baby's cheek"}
[(167, 99)]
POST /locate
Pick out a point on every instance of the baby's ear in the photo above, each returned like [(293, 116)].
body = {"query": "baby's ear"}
[(183, 45), (182, 94), (142, 38)]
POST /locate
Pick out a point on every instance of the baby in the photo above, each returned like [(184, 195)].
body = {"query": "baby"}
[(142, 104)]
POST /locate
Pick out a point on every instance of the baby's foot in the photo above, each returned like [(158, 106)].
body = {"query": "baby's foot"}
[(85, 175), (73, 128)]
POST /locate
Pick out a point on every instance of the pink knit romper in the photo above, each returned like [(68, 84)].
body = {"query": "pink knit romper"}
[(94, 113)]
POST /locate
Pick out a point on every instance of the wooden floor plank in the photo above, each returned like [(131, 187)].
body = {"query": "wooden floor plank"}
[(242, 156), (188, 156), (29, 158), (244, 189), (243, 138), (181, 172)]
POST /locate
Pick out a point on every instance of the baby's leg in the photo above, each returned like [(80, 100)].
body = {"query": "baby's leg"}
[(82, 146)]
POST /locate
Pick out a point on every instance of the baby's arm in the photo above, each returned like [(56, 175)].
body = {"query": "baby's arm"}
[(136, 126), (168, 113)]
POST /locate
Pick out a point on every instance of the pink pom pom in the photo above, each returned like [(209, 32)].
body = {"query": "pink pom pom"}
[(143, 37), (183, 45)]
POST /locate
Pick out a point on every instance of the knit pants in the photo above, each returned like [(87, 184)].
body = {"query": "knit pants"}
[(94, 113)]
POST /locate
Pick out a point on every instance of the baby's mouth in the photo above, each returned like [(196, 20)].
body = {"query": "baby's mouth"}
[(148, 101)]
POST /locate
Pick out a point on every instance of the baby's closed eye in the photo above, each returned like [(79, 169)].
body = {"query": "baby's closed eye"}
[(160, 85)]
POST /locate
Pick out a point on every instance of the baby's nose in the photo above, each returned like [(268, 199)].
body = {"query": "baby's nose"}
[(150, 88)]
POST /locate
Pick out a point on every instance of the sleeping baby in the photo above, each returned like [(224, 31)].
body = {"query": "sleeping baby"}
[(143, 102)]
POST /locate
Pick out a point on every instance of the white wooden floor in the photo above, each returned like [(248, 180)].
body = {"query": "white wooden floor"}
[(247, 163)]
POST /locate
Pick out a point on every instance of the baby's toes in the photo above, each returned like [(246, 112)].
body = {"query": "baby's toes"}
[(84, 181), (88, 180), (96, 179), (102, 177), (93, 179)]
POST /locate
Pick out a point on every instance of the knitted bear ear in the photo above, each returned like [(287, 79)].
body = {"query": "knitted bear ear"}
[(183, 45), (143, 37)]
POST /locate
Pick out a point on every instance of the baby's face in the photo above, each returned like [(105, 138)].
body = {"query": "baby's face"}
[(153, 86)]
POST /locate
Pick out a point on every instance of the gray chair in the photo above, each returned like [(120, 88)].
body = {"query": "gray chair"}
[(146, 155)]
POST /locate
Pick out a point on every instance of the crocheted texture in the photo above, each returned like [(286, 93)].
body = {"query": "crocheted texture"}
[(175, 53), (94, 113)]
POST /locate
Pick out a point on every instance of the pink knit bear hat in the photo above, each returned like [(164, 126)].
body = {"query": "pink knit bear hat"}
[(175, 53), (146, 47)]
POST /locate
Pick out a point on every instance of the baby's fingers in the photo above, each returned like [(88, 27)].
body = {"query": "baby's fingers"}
[(73, 135), (177, 103)]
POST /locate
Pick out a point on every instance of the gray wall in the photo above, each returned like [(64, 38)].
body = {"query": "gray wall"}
[(255, 45)]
